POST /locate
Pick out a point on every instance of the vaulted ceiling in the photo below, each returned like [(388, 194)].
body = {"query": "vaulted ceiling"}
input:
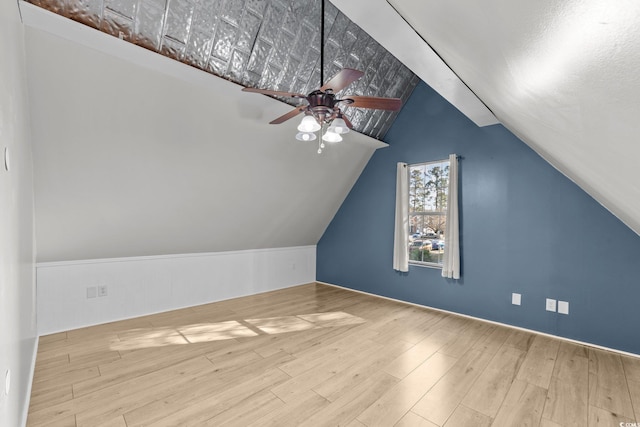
[(562, 76), (134, 151)]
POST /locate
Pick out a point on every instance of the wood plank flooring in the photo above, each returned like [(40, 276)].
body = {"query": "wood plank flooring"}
[(316, 355)]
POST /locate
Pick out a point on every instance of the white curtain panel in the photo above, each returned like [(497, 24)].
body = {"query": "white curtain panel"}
[(401, 233), (451, 262)]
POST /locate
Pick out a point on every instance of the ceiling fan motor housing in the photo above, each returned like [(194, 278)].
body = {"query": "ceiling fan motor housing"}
[(322, 105)]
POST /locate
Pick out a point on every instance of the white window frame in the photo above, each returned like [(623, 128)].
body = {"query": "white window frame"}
[(441, 212)]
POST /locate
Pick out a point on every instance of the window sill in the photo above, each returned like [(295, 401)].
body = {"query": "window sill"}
[(425, 264)]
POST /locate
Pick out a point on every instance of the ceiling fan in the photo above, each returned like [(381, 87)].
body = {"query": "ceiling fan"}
[(322, 103), (321, 107)]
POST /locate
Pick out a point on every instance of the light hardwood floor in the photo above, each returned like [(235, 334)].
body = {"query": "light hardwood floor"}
[(316, 355)]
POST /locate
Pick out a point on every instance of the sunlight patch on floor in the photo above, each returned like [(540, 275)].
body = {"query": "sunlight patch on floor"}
[(208, 332), (332, 319), (147, 338), (279, 325), (205, 332)]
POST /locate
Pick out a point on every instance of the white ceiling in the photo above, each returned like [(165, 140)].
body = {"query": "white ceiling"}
[(563, 76)]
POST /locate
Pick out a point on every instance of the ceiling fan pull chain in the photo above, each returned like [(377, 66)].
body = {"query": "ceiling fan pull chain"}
[(320, 143)]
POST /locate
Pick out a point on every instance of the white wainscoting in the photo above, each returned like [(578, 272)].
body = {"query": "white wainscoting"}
[(139, 286)]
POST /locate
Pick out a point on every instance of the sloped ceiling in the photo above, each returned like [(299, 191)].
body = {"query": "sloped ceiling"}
[(563, 76), (136, 154)]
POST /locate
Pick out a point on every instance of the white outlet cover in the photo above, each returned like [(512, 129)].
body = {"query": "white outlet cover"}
[(551, 304), (516, 299), (563, 307)]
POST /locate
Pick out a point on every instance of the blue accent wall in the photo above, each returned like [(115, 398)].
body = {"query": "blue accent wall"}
[(524, 228)]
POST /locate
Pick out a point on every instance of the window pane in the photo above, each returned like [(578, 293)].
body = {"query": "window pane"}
[(428, 187)]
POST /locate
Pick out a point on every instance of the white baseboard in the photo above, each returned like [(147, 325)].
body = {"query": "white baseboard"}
[(32, 370), (626, 353), (139, 286)]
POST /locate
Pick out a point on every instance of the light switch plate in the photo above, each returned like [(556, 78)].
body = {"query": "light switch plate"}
[(563, 307), (516, 299)]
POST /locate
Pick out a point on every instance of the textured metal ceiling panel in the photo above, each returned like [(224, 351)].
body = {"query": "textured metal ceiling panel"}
[(268, 44)]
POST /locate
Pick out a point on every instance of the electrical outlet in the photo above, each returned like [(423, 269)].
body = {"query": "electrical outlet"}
[(92, 292), (516, 299), (563, 307), (102, 291), (551, 304)]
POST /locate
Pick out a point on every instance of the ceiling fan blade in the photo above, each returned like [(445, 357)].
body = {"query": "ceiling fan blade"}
[(374, 102), (273, 92), (291, 114), (344, 78)]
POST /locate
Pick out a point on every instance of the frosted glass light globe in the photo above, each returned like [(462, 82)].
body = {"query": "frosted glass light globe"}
[(309, 124)]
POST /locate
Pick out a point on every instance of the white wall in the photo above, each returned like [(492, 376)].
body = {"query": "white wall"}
[(144, 285), (17, 278)]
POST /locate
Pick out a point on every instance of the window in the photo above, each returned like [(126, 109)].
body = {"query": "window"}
[(428, 191)]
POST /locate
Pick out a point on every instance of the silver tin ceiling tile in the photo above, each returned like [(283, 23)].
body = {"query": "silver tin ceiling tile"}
[(248, 31), (148, 23), (217, 66), (178, 20), (272, 23), (271, 73), (198, 49), (88, 11), (173, 48), (237, 66), (258, 58), (256, 6), (205, 16), (56, 6), (225, 39), (280, 55), (116, 24), (289, 76), (124, 8)]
